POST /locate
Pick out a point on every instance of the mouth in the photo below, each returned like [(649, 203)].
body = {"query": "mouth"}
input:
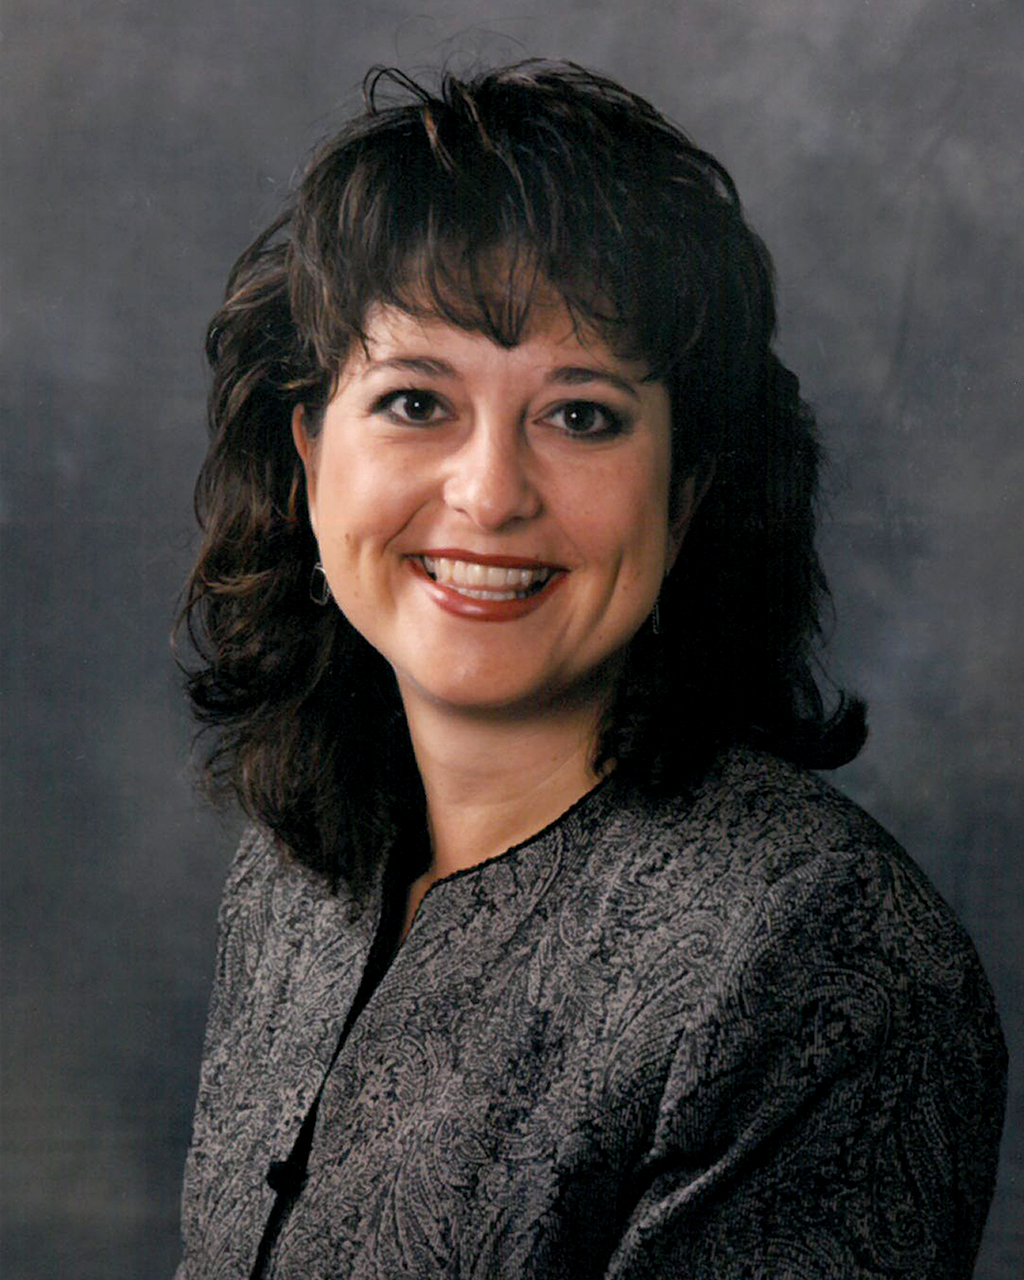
[(475, 580)]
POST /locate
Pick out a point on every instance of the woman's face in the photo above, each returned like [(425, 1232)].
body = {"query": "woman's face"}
[(494, 521)]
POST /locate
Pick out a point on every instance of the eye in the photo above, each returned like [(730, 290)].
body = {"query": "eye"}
[(586, 418), (411, 407)]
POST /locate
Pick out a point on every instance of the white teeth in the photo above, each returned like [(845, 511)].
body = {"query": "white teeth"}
[(483, 581)]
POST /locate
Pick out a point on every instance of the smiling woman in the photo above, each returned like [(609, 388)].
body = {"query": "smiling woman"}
[(471, 495), (544, 954)]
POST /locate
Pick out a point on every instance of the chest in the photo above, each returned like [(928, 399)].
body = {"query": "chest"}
[(478, 1119), (486, 1098)]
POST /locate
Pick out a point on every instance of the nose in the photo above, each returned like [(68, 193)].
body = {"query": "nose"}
[(490, 479)]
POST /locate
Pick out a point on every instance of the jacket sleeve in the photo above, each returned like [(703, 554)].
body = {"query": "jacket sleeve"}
[(241, 925), (835, 1109)]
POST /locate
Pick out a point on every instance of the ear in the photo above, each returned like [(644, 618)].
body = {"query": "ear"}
[(306, 447), (684, 507)]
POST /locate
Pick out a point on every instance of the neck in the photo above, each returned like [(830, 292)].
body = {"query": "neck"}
[(492, 782)]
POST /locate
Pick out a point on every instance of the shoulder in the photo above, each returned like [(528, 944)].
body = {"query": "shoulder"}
[(268, 904), (753, 826), (253, 873), (830, 1035), (783, 875), (265, 876), (251, 869), (760, 815)]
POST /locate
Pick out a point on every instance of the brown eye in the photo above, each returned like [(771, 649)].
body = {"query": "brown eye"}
[(586, 418), (413, 407)]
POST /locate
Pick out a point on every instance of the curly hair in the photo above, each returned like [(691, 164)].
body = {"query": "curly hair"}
[(580, 186)]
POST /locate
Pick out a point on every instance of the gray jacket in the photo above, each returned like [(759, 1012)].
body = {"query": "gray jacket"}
[(733, 1036)]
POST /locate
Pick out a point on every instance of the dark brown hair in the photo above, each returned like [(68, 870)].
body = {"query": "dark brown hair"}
[(581, 186)]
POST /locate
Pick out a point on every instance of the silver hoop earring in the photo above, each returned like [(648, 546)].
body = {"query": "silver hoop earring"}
[(319, 587)]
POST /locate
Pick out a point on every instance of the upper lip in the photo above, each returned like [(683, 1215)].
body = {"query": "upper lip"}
[(476, 557)]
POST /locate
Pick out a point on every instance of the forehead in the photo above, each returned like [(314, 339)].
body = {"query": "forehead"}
[(551, 338)]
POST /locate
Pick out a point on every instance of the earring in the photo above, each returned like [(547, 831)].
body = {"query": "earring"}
[(656, 620), (319, 587)]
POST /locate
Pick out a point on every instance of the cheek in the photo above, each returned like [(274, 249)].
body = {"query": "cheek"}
[(361, 502), (626, 518)]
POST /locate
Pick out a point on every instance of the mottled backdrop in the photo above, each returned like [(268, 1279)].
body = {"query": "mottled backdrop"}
[(878, 146)]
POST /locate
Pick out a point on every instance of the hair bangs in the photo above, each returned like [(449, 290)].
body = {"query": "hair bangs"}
[(460, 214)]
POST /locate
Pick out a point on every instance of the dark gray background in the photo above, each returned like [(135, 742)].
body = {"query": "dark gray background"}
[(878, 148)]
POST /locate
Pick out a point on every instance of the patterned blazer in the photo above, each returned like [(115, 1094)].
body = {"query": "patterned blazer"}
[(736, 1035)]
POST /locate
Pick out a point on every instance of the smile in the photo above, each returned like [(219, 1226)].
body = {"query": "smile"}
[(479, 581), (486, 588)]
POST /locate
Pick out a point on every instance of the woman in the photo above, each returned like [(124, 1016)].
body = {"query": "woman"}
[(544, 955)]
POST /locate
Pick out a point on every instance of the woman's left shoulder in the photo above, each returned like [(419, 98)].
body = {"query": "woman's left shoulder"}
[(774, 816), (770, 851), (829, 1055), (777, 907)]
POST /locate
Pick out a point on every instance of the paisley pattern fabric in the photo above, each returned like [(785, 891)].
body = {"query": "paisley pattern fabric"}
[(734, 1036)]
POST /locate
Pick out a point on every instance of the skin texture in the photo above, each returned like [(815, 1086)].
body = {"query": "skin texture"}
[(554, 452)]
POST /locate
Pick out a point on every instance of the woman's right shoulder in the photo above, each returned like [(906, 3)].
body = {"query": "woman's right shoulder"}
[(248, 886), (260, 871), (267, 896), (252, 866), (265, 879)]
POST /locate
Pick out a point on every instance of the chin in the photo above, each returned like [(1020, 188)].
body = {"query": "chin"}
[(482, 693), (486, 698)]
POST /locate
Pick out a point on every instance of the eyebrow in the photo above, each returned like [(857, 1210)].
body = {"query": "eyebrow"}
[(580, 375), (414, 364), (574, 375)]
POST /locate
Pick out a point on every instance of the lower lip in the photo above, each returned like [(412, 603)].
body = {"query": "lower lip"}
[(452, 601)]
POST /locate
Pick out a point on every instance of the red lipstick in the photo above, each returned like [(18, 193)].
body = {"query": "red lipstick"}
[(456, 602)]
